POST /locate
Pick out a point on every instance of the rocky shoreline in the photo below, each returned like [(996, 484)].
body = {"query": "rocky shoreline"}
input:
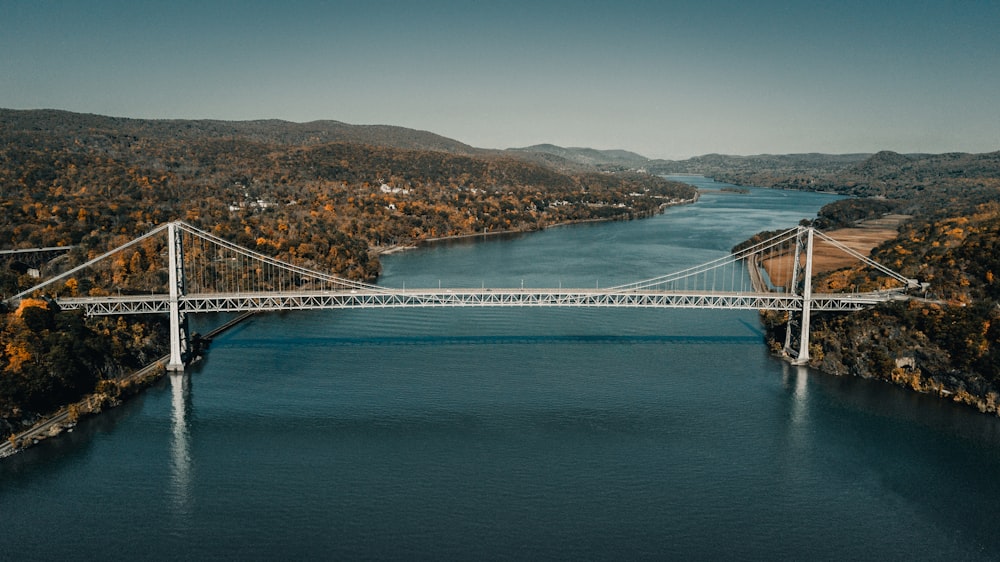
[(867, 350), (108, 394)]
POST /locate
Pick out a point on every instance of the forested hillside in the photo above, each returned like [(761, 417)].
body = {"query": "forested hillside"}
[(931, 181), (758, 169), (325, 204), (568, 158), (271, 131), (323, 195), (947, 343)]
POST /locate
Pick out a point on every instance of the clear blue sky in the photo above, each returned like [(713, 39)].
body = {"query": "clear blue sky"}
[(662, 78)]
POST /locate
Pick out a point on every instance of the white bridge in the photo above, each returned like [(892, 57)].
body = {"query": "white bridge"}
[(205, 273)]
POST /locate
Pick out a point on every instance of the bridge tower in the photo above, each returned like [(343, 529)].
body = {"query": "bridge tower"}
[(802, 266), (803, 356), (179, 335), (801, 283)]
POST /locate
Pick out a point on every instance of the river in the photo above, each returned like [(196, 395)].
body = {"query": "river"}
[(518, 433)]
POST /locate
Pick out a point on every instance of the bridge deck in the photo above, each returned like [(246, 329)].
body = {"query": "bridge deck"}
[(36, 250), (423, 298)]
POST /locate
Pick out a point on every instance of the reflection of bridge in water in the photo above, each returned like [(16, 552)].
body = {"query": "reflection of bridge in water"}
[(205, 273)]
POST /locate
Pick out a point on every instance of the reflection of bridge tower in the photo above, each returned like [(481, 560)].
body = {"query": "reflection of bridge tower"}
[(180, 446)]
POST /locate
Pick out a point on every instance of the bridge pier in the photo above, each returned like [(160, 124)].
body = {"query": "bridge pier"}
[(178, 321)]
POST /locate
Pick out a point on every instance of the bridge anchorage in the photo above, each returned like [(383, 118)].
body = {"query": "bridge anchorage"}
[(178, 270)]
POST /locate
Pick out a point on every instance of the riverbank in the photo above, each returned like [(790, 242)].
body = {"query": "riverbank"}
[(396, 248), (895, 344), (108, 394)]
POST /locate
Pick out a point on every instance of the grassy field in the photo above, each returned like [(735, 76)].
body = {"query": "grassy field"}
[(827, 257)]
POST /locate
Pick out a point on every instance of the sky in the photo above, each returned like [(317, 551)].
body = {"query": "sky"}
[(666, 79)]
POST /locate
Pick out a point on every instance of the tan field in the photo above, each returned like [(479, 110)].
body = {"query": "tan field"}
[(826, 257)]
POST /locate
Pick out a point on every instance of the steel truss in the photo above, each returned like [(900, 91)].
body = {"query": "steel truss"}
[(418, 298), (227, 278)]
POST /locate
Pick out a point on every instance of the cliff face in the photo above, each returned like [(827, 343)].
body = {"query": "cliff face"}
[(875, 345), (890, 344)]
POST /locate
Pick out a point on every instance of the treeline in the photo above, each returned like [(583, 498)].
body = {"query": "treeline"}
[(759, 169), (846, 213), (947, 342), (297, 192), (52, 357), (945, 182)]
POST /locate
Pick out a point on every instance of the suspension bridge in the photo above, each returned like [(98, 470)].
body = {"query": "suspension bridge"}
[(177, 269)]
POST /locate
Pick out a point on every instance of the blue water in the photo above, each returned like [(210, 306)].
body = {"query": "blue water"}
[(518, 433)]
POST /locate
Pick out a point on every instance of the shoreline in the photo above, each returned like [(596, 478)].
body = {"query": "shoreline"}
[(396, 248), (66, 417)]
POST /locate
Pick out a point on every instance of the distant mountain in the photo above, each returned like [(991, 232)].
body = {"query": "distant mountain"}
[(716, 165), (587, 156), (66, 123), (881, 163)]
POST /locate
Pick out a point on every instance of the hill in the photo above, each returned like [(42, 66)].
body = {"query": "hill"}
[(85, 126), (932, 181), (601, 159), (722, 167), (70, 178)]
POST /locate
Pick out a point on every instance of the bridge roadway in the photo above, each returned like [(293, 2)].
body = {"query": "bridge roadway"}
[(415, 298), (36, 250)]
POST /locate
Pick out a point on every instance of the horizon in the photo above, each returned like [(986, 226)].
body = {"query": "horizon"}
[(512, 148), (666, 82)]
